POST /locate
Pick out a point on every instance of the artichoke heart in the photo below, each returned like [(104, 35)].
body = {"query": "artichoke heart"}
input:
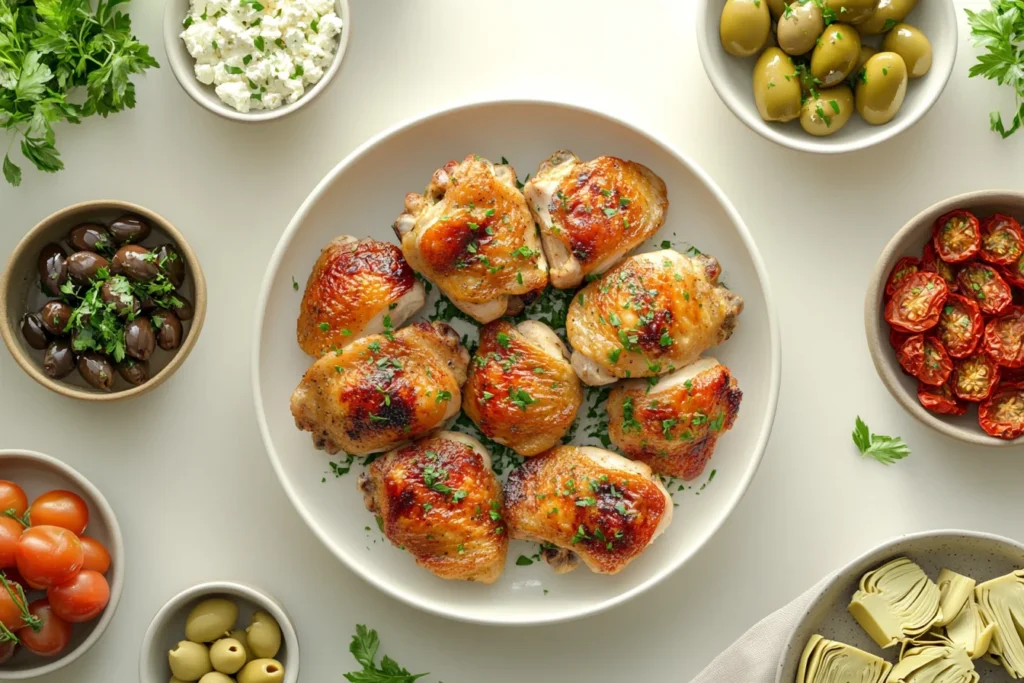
[(969, 631), (940, 662), (1001, 602), (896, 602), (954, 592), (828, 661)]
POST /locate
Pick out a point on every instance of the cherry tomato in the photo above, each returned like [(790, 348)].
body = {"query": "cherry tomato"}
[(1004, 338), (930, 263), (911, 354), (937, 365), (12, 602), (1002, 414), (1001, 240), (60, 508), (983, 284), (53, 635), (975, 377), (957, 236), (896, 338), (12, 498), (49, 555), (7, 650), (1014, 273), (908, 265), (960, 326), (82, 598), (10, 532), (917, 304), (96, 556), (940, 399)]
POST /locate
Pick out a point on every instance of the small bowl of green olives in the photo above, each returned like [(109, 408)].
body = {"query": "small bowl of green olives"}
[(220, 632), (102, 301), (828, 76)]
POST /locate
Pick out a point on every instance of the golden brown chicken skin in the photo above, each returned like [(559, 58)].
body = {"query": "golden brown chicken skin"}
[(586, 503), (674, 425), (472, 235), (522, 391), (382, 390), (356, 288), (591, 214), (650, 315), (439, 500)]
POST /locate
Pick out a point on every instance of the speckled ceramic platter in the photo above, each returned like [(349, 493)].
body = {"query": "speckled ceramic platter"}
[(980, 556)]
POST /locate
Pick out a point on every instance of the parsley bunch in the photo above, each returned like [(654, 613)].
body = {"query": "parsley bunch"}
[(1000, 31), (49, 51), (884, 449), (364, 646)]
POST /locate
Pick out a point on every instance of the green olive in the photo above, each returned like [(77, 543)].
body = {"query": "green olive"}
[(175, 680), (800, 28), (261, 671), (866, 53), (776, 86), (888, 14), (881, 88), (216, 677), (264, 635), (911, 44), (828, 112), (210, 619), (744, 27), (836, 54), (227, 655), (777, 7), (852, 11), (189, 661), (242, 637)]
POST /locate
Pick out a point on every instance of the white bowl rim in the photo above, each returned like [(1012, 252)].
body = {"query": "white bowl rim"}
[(195, 89), (842, 574), (765, 430), (244, 590), (116, 554), (881, 356), (813, 144)]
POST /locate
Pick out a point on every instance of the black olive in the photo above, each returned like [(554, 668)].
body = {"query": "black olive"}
[(169, 333), (171, 263), (53, 268), (96, 369), (33, 331), (129, 229), (186, 311), (83, 266), (147, 303), (59, 359), (91, 237), (135, 263), (139, 338), (124, 302), (135, 372), (55, 315)]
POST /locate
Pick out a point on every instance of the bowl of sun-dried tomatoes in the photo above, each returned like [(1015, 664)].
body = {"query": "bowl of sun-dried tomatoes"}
[(945, 317)]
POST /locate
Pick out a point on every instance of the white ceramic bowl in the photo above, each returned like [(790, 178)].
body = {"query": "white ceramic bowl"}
[(183, 67), (363, 195), (168, 627), (978, 555), (36, 474), (732, 77)]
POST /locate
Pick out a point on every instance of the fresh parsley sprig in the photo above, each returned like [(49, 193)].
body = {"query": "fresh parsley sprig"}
[(884, 449), (364, 646), (1000, 31)]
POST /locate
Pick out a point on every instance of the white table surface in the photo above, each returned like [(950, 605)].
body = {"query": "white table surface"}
[(185, 467)]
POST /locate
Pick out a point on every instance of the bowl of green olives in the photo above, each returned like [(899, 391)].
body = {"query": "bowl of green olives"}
[(220, 632), (828, 76), (102, 301)]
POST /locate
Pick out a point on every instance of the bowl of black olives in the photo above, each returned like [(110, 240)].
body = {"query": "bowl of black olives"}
[(102, 300)]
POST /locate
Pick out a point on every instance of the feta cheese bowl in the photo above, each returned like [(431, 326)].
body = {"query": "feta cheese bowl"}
[(255, 60)]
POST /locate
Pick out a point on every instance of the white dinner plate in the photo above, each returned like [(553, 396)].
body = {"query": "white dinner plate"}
[(362, 196)]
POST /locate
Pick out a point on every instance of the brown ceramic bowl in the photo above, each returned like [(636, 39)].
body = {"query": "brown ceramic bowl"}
[(20, 292), (910, 241)]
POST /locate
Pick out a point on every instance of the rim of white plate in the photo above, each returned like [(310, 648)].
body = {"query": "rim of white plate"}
[(576, 612)]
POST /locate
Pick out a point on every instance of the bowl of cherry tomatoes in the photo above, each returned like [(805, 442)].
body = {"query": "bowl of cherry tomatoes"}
[(945, 317), (61, 564)]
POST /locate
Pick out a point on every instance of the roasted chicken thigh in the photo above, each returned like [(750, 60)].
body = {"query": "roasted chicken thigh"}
[(586, 503), (674, 425), (356, 288), (651, 314), (522, 391), (472, 235), (383, 390), (439, 499), (591, 214)]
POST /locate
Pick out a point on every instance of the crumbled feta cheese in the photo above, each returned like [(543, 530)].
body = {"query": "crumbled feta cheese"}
[(261, 54)]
